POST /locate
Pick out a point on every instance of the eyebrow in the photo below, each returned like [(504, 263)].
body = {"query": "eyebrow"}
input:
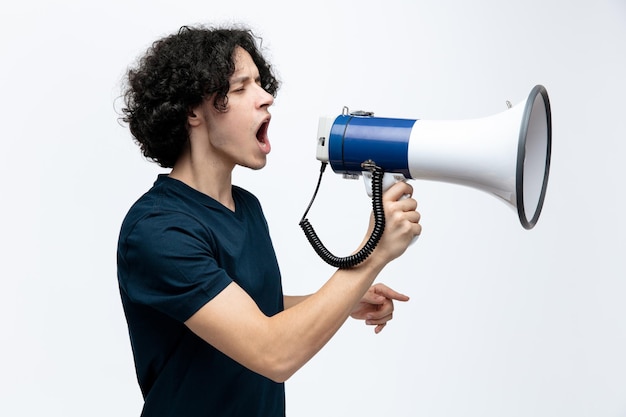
[(244, 78)]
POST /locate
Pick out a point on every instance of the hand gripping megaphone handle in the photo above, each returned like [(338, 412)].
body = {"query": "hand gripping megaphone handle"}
[(389, 179)]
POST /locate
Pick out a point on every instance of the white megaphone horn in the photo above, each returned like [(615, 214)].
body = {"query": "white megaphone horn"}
[(506, 155)]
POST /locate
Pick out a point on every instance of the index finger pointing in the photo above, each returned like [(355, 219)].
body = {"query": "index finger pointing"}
[(389, 293)]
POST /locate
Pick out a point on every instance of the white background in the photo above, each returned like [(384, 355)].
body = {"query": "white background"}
[(501, 322)]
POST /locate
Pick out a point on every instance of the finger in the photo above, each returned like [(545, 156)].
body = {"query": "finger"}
[(389, 293), (417, 229), (413, 221), (413, 216), (382, 319), (398, 190), (379, 327), (407, 204)]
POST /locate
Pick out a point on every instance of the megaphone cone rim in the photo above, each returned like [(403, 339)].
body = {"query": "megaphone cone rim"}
[(521, 157)]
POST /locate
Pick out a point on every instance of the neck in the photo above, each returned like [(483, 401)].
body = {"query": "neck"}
[(204, 175)]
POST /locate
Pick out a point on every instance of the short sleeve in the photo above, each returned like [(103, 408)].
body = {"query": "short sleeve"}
[(168, 263)]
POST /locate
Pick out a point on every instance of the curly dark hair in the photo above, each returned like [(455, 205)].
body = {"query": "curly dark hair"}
[(175, 75)]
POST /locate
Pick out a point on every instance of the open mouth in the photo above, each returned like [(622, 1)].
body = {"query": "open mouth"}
[(261, 136)]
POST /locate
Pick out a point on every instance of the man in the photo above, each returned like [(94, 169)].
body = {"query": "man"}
[(211, 331)]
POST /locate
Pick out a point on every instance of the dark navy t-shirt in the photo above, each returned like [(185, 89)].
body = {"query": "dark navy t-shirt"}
[(178, 248)]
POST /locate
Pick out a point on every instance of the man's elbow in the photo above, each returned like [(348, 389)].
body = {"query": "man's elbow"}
[(279, 369)]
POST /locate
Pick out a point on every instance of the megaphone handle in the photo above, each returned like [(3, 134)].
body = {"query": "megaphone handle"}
[(389, 179)]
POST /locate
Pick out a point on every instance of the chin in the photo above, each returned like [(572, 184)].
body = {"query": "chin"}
[(257, 165)]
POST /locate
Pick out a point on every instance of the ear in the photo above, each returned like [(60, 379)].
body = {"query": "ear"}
[(194, 117)]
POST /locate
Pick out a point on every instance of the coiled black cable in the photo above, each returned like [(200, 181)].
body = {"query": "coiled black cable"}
[(351, 261)]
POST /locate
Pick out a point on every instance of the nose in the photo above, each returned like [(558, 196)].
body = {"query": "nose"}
[(265, 98)]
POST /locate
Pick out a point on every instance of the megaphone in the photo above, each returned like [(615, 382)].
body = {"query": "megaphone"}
[(506, 155)]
